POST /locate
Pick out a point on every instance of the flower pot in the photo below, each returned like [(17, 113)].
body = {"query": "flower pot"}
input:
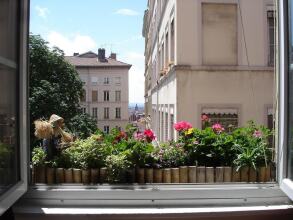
[(50, 173), (183, 174), (94, 176), (219, 174), (244, 173), (210, 175), (158, 175), (227, 174), (140, 174), (235, 175), (192, 174), (85, 176), (201, 174), (60, 178), (175, 176), (130, 175), (268, 174), (77, 175), (40, 173), (265, 174), (167, 175), (149, 175), (103, 175), (68, 175), (252, 175)]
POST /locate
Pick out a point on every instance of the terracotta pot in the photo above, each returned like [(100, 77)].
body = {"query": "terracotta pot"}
[(219, 174), (227, 174), (183, 174), (50, 173), (130, 175), (252, 175), (167, 175), (201, 174), (244, 172), (149, 175), (68, 175), (192, 174), (77, 175), (85, 176), (175, 176), (95, 176), (103, 175), (40, 173), (158, 175), (236, 177), (210, 175), (140, 174), (60, 178)]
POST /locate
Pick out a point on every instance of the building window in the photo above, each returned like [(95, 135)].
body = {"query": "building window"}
[(106, 80), (117, 96), (219, 31), (271, 32), (167, 50), (94, 96), (83, 96), (106, 113), (162, 126), (106, 96), (94, 80), (171, 126), (117, 80), (106, 129), (228, 118), (83, 110), (118, 113), (172, 48), (95, 112), (166, 126)]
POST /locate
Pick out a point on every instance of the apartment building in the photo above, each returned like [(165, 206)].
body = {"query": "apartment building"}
[(106, 91), (213, 57)]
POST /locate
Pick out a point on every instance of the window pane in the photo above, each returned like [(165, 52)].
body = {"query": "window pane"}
[(9, 173)]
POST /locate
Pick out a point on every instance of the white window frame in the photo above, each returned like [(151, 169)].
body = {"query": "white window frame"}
[(154, 195)]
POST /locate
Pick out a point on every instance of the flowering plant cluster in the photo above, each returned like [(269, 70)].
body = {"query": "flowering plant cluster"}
[(182, 126)]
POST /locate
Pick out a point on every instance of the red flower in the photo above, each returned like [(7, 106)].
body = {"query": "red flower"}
[(205, 118), (149, 134), (182, 126), (218, 128), (120, 136)]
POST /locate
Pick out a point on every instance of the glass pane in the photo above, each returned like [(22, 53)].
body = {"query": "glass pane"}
[(9, 173), (8, 29)]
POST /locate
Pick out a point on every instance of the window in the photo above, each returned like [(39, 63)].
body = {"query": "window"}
[(171, 126), (83, 110), (117, 96), (94, 80), (172, 48), (106, 113), (118, 80), (106, 96), (271, 32), (106, 129), (83, 96), (118, 112), (94, 96), (219, 20), (95, 112), (106, 80), (166, 126), (167, 50)]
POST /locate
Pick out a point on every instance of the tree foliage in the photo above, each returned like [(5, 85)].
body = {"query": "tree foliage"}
[(54, 85)]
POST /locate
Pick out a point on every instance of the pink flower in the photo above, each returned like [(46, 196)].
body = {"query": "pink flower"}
[(205, 118), (182, 126), (138, 136), (218, 128), (257, 134), (149, 134)]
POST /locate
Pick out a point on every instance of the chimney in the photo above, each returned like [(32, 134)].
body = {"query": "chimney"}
[(113, 56), (101, 54), (75, 54)]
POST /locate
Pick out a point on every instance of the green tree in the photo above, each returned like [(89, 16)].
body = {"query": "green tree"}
[(54, 86)]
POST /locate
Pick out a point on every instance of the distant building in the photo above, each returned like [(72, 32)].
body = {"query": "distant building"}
[(208, 57), (105, 88)]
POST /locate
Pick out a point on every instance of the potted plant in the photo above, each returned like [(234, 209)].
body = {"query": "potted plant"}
[(39, 161), (116, 168), (50, 171), (5, 157)]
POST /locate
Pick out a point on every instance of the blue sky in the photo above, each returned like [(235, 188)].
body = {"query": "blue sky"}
[(80, 26)]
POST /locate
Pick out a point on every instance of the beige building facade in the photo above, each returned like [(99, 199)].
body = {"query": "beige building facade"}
[(105, 88), (213, 57)]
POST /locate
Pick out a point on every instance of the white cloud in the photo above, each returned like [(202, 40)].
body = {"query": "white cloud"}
[(42, 11), (76, 43), (136, 76), (127, 12)]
